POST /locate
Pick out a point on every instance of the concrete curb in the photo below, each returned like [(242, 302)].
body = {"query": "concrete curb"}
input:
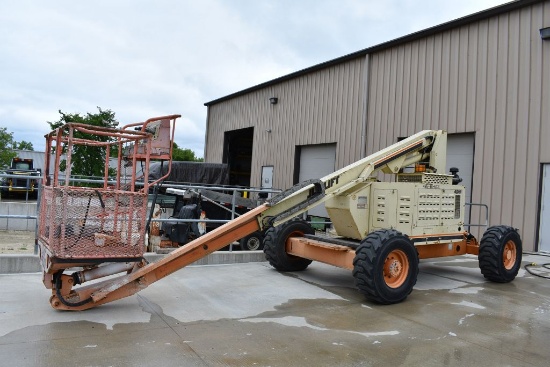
[(22, 263)]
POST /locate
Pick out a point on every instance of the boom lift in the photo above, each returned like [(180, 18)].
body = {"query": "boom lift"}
[(382, 230)]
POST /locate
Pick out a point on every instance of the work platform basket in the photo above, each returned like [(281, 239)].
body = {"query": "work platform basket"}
[(102, 218)]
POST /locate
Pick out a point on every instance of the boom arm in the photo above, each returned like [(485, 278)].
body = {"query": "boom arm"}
[(297, 200), (426, 144)]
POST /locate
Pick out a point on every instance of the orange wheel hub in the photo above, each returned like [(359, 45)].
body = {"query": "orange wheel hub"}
[(509, 255), (396, 268)]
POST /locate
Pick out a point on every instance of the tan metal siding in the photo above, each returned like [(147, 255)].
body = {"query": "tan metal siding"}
[(490, 77), (322, 107)]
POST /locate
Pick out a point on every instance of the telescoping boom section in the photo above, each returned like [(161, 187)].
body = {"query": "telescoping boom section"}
[(381, 228)]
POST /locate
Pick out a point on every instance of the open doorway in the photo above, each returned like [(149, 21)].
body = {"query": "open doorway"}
[(237, 153), (460, 154)]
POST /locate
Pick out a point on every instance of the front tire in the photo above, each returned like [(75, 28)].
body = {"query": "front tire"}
[(500, 253), (385, 266), (275, 245)]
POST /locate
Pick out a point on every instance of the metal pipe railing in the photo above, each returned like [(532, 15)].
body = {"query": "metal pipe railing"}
[(92, 180), (486, 216), (15, 188)]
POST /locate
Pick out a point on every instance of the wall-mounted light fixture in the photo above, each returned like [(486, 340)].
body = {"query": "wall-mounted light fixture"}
[(267, 130), (273, 100), (545, 33)]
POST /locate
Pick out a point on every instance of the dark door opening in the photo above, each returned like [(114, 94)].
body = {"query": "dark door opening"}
[(237, 153)]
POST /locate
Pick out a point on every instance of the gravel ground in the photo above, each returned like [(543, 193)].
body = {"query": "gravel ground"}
[(16, 242)]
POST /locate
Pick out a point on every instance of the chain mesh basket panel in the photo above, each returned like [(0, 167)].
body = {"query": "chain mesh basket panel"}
[(84, 223)]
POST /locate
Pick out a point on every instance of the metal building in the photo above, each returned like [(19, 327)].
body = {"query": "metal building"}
[(484, 78)]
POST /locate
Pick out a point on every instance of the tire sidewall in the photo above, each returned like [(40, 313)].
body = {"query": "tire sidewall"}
[(275, 245), (508, 274), (394, 295), (369, 261)]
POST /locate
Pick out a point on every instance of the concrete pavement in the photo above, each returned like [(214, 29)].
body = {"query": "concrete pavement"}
[(251, 315)]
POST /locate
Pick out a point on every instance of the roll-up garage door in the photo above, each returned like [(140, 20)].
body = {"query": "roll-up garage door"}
[(460, 154), (316, 161)]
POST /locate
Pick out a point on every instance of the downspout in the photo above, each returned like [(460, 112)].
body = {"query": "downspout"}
[(366, 74), (206, 132)]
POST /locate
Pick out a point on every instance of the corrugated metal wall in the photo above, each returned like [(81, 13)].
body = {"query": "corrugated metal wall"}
[(322, 107), (491, 77)]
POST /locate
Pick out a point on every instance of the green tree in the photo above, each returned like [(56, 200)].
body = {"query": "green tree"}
[(23, 145), (86, 160), (6, 150), (179, 154)]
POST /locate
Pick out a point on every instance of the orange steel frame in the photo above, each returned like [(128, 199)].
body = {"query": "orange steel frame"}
[(342, 256), (63, 138), (123, 135)]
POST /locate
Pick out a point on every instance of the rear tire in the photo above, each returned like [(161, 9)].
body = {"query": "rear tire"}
[(385, 267), (500, 253), (252, 242), (275, 245)]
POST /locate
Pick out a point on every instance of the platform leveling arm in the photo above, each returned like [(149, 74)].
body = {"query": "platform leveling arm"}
[(427, 144)]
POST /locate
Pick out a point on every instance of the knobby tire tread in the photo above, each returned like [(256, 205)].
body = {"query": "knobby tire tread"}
[(365, 268), (490, 255), (275, 250)]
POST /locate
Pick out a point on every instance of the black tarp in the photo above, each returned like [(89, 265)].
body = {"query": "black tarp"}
[(192, 172)]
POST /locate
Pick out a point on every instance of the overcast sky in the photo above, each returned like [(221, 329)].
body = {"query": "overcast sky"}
[(149, 58)]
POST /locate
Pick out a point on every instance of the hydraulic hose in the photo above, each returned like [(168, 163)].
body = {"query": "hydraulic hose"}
[(63, 300)]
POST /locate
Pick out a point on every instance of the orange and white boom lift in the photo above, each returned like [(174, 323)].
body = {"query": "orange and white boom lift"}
[(382, 229)]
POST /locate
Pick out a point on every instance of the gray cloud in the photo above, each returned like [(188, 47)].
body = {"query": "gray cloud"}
[(143, 59)]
